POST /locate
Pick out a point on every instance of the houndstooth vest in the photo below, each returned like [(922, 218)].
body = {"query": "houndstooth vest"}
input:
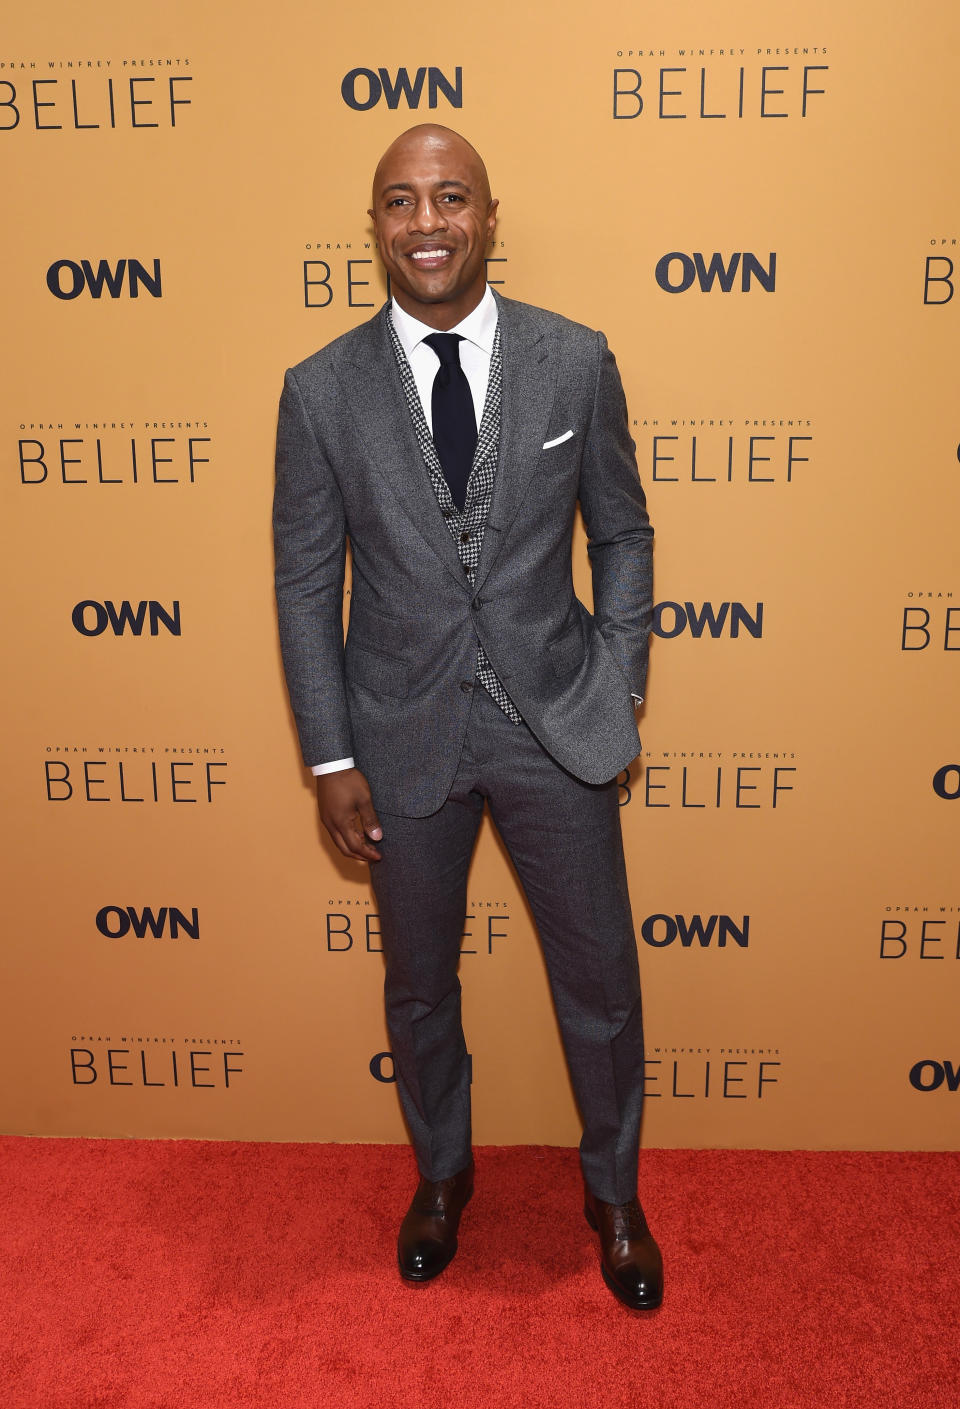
[(466, 524)]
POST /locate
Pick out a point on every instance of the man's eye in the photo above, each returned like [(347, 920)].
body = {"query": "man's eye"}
[(397, 200), (452, 196)]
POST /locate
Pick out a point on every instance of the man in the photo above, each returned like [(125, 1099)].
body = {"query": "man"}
[(449, 439)]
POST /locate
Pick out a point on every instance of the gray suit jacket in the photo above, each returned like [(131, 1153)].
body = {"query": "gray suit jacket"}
[(397, 696)]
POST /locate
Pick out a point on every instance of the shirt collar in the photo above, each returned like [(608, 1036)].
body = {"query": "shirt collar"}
[(479, 327)]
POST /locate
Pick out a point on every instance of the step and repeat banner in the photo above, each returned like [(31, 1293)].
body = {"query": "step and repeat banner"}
[(760, 210)]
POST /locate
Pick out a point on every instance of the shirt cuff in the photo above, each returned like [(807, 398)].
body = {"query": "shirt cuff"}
[(336, 766)]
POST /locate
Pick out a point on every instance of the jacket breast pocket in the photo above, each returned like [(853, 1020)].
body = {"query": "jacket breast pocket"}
[(560, 457), (381, 674)]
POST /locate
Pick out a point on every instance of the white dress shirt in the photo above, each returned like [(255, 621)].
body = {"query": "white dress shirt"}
[(477, 331)]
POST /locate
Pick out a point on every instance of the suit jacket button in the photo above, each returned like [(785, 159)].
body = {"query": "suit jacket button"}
[(476, 604), (466, 686)]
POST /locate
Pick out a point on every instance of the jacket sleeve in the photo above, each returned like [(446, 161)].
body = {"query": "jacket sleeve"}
[(309, 532), (619, 533)]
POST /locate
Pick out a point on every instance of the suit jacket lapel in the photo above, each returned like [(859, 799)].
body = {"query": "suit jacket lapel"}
[(530, 365), (374, 393)]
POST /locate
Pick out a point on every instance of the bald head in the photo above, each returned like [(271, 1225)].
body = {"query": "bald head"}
[(434, 220), (431, 141)]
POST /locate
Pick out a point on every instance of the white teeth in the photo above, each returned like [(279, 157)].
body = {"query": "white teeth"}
[(430, 254)]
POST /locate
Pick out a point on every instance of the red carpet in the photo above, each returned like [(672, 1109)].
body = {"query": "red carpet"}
[(194, 1275)]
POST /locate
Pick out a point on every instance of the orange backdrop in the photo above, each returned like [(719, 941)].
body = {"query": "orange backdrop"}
[(762, 217)]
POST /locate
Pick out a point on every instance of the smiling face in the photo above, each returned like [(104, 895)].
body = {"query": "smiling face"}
[(434, 219)]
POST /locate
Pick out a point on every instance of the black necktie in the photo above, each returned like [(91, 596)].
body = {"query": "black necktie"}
[(454, 421)]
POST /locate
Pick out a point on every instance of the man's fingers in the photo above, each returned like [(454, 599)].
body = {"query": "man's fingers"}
[(356, 839), (337, 839), (346, 810), (369, 821), (352, 843)]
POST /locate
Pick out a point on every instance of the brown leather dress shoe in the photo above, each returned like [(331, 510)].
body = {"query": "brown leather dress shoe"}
[(629, 1258), (428, 1233)]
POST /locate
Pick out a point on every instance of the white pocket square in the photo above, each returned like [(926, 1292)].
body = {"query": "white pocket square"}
[(549, 444)]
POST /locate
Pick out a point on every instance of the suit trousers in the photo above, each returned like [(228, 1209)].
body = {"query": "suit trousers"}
[(564, 839)]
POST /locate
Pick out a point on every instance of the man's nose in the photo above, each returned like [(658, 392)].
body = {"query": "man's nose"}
[(427, 217)]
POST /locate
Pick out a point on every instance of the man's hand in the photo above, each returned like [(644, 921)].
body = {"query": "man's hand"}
[(346, 810)]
